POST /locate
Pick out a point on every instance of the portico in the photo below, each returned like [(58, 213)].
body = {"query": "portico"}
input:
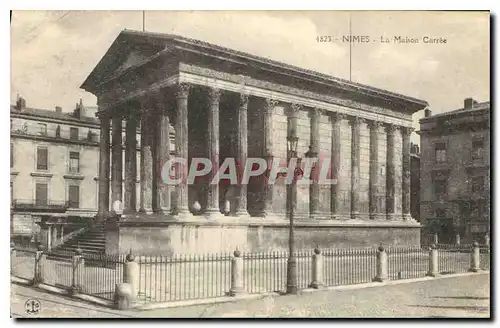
[(193, 99)]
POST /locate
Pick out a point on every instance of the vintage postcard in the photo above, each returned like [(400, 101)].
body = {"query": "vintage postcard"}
[(272, 164)]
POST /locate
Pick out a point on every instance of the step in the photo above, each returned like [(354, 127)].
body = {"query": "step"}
[(86, 241), (83, 248)]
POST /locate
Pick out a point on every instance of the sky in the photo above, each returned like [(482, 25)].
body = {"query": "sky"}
[(52, 52)]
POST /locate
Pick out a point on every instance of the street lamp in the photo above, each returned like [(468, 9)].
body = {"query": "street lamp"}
[(291, 192)]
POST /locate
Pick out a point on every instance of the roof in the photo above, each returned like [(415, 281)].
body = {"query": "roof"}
[(130, 37), (477, 107), (52, 114)]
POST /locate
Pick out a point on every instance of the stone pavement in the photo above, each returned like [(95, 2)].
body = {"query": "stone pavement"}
[(465, 296)]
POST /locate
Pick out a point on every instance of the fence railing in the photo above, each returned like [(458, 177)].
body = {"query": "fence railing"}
[(187, 277)]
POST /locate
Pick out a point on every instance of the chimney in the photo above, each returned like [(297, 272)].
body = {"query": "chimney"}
[(20, 103), (469, 103), (427, 112), (79, 109), (58, 109)]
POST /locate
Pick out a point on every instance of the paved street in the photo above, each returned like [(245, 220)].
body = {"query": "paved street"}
[(466, 296)]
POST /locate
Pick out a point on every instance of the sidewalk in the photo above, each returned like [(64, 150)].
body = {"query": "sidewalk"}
[(465, 296)]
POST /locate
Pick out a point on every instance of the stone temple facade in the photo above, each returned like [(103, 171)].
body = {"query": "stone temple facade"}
[(222, 103)]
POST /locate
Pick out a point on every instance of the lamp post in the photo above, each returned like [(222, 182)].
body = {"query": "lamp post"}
[(291, 274)]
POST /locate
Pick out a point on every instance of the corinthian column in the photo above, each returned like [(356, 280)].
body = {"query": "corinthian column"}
[(130, 199), (146, 165), (162, 155), (267, 152), (314, 187), (117, 159), (406, 173), (213, 207), (390, 173), (374, 169), (181, 148), (336, 162), (103, 166), (355, 202), (241, 209)]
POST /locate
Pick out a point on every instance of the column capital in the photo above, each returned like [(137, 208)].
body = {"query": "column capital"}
[(270, 104), (243, 100), (214, 95), (390, 128), (406, 131), (375, 125), (316, 111), (337, 117), (182, 90), (103, 114), (356, 120)]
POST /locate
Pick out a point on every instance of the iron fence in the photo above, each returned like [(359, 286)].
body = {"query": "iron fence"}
[(349, 266), (407, 262), (184, 277)]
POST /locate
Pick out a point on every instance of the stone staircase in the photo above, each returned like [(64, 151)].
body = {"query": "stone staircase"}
[(92, 243)]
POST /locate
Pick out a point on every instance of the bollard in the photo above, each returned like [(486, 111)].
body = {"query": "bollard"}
[(12, 259), (39, 262), (474, 258), (381, 265), (131, 275), (433, 262), (236, 274), (78, 266), (124, 296), (317, 269)]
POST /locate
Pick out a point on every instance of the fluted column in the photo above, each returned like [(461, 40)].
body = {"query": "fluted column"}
[(241, 208), (146, 166), (181, 147), (374, 170), (406, 201), (314, 187), (213, 207), (390, 173), (130, 198), (161, 155), (117, 160), (355, 168), (336, 162), (104, 166), (267, 152)]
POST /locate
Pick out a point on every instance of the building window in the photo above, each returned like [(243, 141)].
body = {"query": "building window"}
[(74, 196), (74, 162), (42, 129), (477, 148), (11, 155), (41, 194), (440, 152), (42, 158), (440, 187), (73, 133), (477, 184)]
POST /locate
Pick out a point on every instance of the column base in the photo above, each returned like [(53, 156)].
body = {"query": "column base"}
[(407, 217), (377, 216), (380, 279), (242, 214), (213, 214), (316, 285), (474, 270), (236, 291), (433, 274), (392, 216), (143, 210)]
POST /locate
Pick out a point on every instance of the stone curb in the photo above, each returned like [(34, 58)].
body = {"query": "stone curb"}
[(226, 299)]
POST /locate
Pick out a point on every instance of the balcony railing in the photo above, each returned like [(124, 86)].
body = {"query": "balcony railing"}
[(40, 205), (52, 132)]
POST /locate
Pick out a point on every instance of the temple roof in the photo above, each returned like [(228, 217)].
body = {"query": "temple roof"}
[(154, 43)]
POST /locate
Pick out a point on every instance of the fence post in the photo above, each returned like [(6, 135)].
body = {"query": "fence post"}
[(12, 259), (78, 266), (487, 239), (436, 238), (474, 258), (433, 261), (317, 269), (236, 274), (381, 265), (39, 263), (131, 274)]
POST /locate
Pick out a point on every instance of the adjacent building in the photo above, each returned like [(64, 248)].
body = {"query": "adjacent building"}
[(54, 162), (455, 174), (415, 181)]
